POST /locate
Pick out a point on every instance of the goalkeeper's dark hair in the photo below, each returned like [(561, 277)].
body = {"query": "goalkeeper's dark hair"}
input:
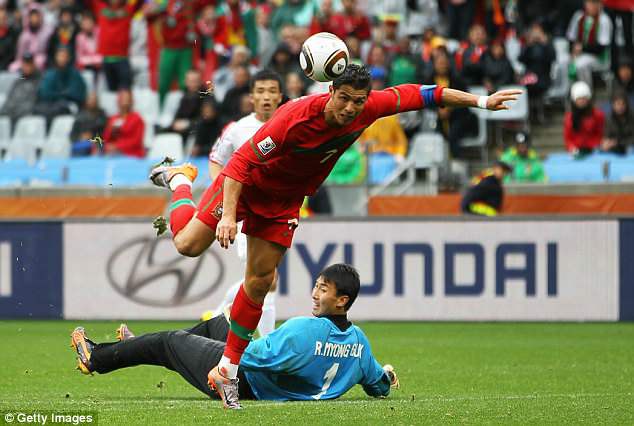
[(357, 76), (346, 280), (265, 74)]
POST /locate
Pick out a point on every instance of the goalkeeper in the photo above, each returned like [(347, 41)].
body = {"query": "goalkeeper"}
[(304, 359)]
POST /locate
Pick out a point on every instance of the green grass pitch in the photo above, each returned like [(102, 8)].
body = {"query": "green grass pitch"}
[(521, 373)]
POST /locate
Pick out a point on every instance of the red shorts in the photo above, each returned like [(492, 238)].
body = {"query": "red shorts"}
[(264, 215)]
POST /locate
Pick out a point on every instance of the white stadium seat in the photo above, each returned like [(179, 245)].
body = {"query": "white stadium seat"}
[(167, 144), (28, 137), (170, 106), (6, 80), (58, 143), (108, 101), (5, 135)]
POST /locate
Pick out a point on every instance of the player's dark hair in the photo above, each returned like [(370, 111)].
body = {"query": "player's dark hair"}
[(357, 76), (346, 281), (265, 74)]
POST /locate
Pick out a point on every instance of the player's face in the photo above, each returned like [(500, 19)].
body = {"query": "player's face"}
[(325, 299), (266, 97), (345, 104)]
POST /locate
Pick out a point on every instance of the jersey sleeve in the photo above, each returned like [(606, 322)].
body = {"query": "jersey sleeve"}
[(223, 148), (265, 145), (375, 381), (404, 97), (281, 351)]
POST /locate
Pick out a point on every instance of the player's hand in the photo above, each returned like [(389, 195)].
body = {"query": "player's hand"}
[(226, 231), (496, 100), (394, 382)]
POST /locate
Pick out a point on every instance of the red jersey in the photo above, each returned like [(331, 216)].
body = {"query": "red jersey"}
[(126, 133), (114, 26), (296, 149)]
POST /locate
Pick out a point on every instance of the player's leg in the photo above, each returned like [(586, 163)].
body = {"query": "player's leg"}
[(262, 259), (215, 328), (267, 321), (192, 235)]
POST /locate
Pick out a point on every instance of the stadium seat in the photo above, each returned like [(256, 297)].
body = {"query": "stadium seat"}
[(3, 98), (108, 101), (148, 133), (6, 80), (167, 144), (513, 49), (29, 136), (58, 143), (89, 171), (5, 136), (380, 166), (518, 110), (427, 150), (170, 106), (146, 103), (129, 171), (14, 172), (479, 140)]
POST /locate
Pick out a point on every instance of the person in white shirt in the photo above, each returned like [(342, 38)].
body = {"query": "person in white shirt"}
[(266, 95)]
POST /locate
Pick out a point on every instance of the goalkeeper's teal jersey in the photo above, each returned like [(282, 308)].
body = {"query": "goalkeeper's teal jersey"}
[(311, 359)]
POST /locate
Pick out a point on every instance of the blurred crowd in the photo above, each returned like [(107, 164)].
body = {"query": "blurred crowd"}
[(167, 45)]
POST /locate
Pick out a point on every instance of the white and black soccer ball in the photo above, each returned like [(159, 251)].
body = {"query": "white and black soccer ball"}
[(324, 57)]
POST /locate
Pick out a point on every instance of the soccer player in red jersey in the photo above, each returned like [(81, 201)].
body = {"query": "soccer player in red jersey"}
[(266, 180)]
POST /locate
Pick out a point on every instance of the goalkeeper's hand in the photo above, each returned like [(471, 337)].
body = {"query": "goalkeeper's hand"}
[(394, 382)]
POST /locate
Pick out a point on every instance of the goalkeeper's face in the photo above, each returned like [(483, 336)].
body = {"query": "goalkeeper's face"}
[(325, 299)]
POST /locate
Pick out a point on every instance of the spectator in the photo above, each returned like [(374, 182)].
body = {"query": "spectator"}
[(239, 21), (231, 105), (34, 40), (385, 134), (430, 44), (64, 35), (583, 124), (124, 131), (623, 10), (207, 128), (224, 77), (322, 19), (378, 61), (460, 14), (453, 123), (213, 41), (179, 34), (89, 123), (298, 13), (351, 21), (294, 86), (266, 39), (389, 33), (421, 14), (485, 196), (284, 61), (62, 89), (624, 78), (526, 165), (405, 67), (469, 56), (88, 58), (589, 34), (23, 93), (538, 56), (189, 107), (354, 49), (349, 168), (619, 127), (8, 40), (114, 19), (496, 68)]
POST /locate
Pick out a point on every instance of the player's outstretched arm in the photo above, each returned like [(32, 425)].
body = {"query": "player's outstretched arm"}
[(494, 102), (227, 228)]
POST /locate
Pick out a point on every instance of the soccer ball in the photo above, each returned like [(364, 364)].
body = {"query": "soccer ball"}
[(324, 57)]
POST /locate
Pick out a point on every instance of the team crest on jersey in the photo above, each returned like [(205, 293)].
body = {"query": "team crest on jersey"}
[(217, 213), (266, 146)]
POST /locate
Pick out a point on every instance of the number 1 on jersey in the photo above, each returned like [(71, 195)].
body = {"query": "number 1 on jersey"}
[(328, 377)]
